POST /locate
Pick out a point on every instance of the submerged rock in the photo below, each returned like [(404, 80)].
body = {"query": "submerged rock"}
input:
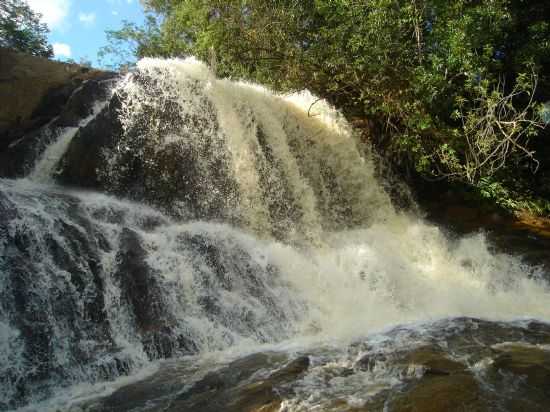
[(405, 370), (93, 288), (526, 369), (254, 383), (453, 393)]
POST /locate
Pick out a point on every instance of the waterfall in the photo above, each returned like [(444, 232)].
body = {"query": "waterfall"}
[(231, 216), (236, 152)]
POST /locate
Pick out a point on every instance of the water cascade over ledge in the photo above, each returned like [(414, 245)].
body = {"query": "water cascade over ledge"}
[(189, 215)]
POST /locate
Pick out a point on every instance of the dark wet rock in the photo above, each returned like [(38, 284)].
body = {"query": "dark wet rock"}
[(368, 362), (514, 378), (137, 282), (238, 387), (521, 373), (82, 298), (443, 384), (228, 266), (34, 90), (51, 285), (141, 290), (274, 182), (523, 234), (18, 159), (430, 377), (37, 98), (459, 334), (291, 370), (457, 392), (434, 361), (528, 361), (139, 163), (257, 382), (85, 156)]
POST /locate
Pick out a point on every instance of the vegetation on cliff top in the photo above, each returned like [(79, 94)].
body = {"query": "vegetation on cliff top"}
[(453, 90), (21, 29)]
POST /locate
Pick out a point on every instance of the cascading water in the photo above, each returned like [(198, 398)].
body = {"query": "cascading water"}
[(256, 218)]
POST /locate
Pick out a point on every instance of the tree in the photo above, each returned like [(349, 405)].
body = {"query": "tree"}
[(21, 29), (131, 42), (496, 128)]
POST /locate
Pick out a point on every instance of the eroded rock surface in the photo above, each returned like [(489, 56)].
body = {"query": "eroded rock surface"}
[(39, 98), (454, 365)]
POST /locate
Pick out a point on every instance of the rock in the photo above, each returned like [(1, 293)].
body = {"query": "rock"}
[(444, 384), (431, 358), (142, 292), (137, 282), (140, 162), (33, 90), (434, 361), (526, 370), (41, 98), (84, 157), (52, 291), (458, 392), (239, 388), (516, 380)]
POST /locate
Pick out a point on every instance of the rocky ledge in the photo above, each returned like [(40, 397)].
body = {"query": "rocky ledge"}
[(37, 97), (458, 366)]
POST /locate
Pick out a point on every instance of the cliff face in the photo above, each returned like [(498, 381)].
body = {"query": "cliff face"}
[(34, 90), (40, 98)]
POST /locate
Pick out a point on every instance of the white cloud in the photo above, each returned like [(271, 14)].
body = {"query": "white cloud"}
[(61, 50), (88, 19), (53, 12), (114, 13)]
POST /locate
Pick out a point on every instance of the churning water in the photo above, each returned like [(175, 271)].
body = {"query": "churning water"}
[(278, 231)]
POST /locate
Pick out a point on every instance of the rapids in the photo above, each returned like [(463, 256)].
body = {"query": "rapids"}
[(260, 225)]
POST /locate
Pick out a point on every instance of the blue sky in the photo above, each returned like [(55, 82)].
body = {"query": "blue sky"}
[(77, 27)]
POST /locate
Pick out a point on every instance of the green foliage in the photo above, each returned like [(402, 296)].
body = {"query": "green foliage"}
[(453, 88), (495, 128), (512, 198), (129, 42), (21, 30), (83, 61)]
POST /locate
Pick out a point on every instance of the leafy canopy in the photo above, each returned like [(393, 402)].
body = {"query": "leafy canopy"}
[(21, 29)]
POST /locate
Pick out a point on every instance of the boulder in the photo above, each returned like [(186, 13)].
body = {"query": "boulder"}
[(38, 99), (127, 150), (33, 90), (142, 292), (526, 369), (457, 392), (83, 161), (237, 387)]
